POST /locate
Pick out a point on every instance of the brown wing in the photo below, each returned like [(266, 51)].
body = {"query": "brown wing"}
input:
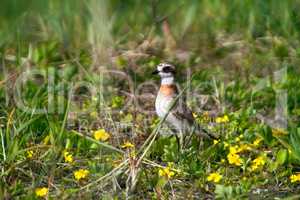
[(181, 111)]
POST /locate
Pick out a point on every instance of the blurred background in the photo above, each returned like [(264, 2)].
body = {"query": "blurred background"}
[(198, 25)]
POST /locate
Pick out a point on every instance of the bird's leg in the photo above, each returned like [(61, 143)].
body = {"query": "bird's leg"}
[(188, 140), (175, 133), (178, 142), (190, 135), (181, 141)]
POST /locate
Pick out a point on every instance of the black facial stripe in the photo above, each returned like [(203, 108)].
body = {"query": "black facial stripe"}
[(168, 69)]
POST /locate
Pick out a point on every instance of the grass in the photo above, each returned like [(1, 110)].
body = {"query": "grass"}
[(69, 69)]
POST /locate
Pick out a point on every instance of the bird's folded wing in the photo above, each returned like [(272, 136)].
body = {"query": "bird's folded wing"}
[(182, 112)]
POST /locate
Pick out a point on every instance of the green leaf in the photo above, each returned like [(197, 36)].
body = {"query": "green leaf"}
[(161, 182), (282, 156), (295, 142), (267, 135)]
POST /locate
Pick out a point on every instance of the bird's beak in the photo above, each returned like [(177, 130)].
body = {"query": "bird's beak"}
[(155, 72)]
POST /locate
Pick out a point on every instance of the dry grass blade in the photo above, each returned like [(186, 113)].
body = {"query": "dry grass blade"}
[(108, 175), (98, 142)]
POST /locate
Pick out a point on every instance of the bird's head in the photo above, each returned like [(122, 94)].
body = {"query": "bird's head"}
[(165, 70)]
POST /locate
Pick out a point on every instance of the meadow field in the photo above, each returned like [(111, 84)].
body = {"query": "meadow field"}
[(77, 116)]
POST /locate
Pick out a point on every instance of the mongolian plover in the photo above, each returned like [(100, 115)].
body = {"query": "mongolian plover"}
[(180, 117)]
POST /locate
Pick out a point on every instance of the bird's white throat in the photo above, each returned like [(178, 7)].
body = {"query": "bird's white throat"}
[(167, 80)]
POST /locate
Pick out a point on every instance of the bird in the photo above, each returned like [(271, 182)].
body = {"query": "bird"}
[(179, 116)]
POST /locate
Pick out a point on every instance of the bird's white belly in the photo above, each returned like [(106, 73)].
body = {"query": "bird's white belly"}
[(162, 105)]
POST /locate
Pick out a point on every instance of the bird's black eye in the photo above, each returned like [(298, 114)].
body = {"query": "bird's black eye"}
[(168, 69)]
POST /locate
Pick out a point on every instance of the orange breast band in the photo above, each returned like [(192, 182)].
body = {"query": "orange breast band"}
[(167, 89)]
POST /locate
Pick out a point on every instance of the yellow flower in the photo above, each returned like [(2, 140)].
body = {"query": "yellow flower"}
[(81, 174), (41, 192), (244, 147), (216, 142), (257, 141), (101, 134), (214, 177), (233, 149), (223, 119), (222, 160), (295, 177), (279, 132), (166, 172), (257, 162), (234, 158), (219, 120), (29, 154), (237, 139), (127, 145), (68, 157), (254, 167)]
